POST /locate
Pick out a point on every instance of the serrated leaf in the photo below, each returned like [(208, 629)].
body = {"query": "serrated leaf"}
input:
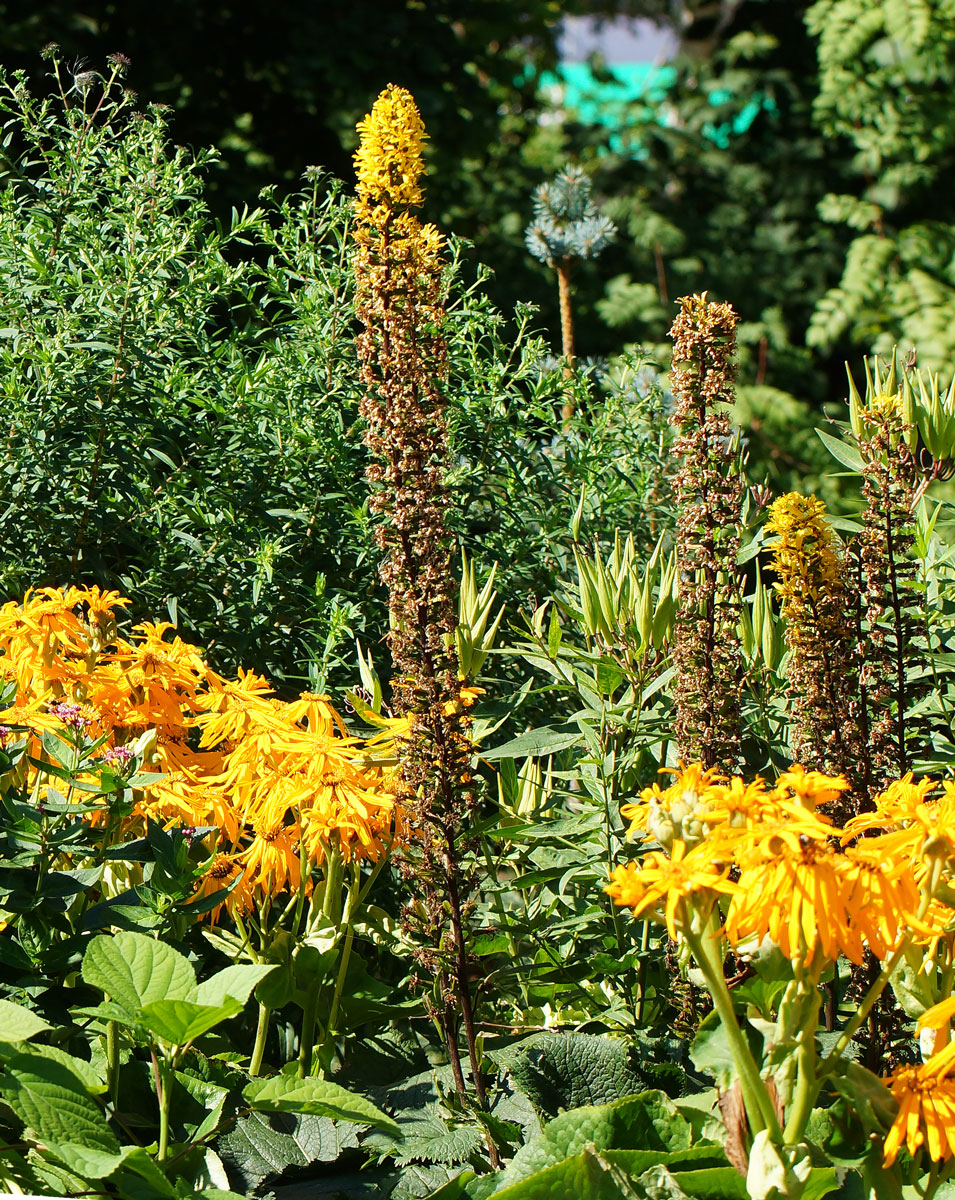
[(89, 1161), (262, 1146), (53, 1102), (134, 970), (182, 1021), (559, 1071), (649, 1121), (19, 1024), (284, 1093), (429, 1139), (236, 982), (83, 1070)]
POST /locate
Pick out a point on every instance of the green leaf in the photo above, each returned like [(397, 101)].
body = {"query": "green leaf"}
[(134, 970), (19, 1024), (284, 1093), (83, 1070), (89, 1161), (696, 1159), (235, 982), (558, 1071), (181, 1021), (429, 1139), (53, 1102), (263, 1146), (583, 1177), (841, 452), (649, 1121), (711, 1052), (546, 740)]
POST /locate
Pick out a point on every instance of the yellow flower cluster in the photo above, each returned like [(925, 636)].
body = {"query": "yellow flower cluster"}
[(388, 162), (754, 862), (281, 782), (389, 167), (806, 556)]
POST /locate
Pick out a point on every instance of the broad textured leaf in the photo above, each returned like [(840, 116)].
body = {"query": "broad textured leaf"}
[(262, 1146), (284, 1093), (236, 982), (429, 1139), (565, 1071), (582, 1177), (182, 1021), (134, 970), (84, 1071), (19, 1024), (646, 1122), (89, 1161), (53, 1102), (697, 1158), (713, 1183), (416, 1181)]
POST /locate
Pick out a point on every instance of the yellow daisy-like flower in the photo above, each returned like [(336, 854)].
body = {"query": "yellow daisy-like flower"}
[(674, 813), (811, 788), (926, 1114), (643, 885)]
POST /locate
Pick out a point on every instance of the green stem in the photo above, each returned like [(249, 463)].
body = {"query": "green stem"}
[(759, 1107), (261, 1034), (165, 1100), (334, 872), (807, 1082), (307, 1039), (112, 1061), (873, 994), (339, 983), (642, 969)]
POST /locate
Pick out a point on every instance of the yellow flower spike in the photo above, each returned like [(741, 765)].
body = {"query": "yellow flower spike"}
[(388, 162)]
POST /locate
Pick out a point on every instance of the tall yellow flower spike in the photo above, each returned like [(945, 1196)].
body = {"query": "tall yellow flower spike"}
[(388, 162)]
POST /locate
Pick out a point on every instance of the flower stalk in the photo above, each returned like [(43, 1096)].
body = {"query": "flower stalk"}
[(403, 361), (709, 495)]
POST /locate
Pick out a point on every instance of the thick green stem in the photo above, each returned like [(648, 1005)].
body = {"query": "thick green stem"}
[(112, 1061), (261, 1034), (759, 1106), (807, 1081), (871, 996), (164, 1074), (334, 873), (340, 982), (307, 1039)]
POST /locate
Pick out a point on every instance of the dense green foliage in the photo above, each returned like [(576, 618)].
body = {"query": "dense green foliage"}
[(182, 392), (182, 399)]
